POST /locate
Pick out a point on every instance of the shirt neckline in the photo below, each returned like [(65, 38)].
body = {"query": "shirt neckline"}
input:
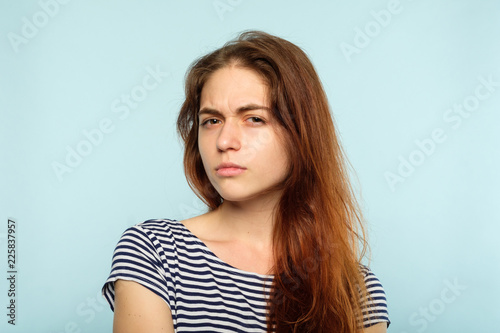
[(207, 249)]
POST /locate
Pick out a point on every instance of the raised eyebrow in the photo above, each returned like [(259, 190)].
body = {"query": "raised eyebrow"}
[(244, 108), (251, 107)]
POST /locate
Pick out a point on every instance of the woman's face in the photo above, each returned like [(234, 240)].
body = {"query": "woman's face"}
[(240, 143)]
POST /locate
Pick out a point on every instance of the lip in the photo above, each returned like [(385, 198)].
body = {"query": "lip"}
[(229, 169)]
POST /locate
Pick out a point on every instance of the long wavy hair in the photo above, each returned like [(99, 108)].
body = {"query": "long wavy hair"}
[(318, 237)]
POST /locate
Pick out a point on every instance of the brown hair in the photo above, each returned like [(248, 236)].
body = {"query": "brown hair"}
[(318, 237)]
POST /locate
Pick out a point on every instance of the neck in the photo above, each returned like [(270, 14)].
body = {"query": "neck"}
[(251, 221)]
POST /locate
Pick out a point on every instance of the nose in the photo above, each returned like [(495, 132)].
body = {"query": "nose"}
[(229, 137)]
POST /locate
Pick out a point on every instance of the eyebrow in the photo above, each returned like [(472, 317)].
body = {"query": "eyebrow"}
[(244, 108)]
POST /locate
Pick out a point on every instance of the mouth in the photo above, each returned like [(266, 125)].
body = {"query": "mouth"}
[(229, 169)]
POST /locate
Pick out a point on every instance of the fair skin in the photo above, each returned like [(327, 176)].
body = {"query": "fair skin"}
[(236, 127), (244, 159)]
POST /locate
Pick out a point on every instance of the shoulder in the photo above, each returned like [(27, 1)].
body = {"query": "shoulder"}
[(372, 283), (202, 226), (155, 236), (143, 255), (166, 237), (371, 280), (156, 225), (156, 229), (375, 304)]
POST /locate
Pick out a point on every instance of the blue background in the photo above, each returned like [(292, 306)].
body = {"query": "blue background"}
[(395, 72)]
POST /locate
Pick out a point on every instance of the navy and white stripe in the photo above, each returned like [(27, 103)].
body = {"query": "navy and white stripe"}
[(204, 293), (375, 305)]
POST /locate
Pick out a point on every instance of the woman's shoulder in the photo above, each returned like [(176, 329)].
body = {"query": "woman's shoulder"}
[(375, 306), (161, 237), (161, 230), (371, 280), (365, 271), (157, 225)]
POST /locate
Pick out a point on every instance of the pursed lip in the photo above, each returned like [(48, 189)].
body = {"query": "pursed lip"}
[(228, 165), (228, 169)]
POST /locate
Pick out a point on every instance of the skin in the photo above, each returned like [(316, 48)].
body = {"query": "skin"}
[(235, 126), (139, 310)]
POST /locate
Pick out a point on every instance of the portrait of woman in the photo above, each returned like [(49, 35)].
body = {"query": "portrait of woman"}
[(280, 248), (250, 166)]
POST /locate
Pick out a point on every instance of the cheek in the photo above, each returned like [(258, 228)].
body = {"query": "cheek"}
[(284, 163), (278, 154), (202, 148), (283, 155)]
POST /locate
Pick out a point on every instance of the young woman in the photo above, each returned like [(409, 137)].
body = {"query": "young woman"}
[(279, 249)]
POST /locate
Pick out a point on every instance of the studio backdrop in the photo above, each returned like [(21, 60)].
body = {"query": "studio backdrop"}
[(89, 95)]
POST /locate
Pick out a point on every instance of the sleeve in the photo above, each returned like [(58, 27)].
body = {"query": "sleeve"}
[(136, 258), (374, 307)]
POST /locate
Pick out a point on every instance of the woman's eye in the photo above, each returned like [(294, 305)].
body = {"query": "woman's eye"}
[(211, 121), (256, 120)]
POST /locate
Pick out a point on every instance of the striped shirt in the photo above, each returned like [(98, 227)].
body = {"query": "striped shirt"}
[(204, 293)]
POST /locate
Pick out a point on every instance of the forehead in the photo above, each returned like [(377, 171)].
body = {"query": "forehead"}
[(233, 85)]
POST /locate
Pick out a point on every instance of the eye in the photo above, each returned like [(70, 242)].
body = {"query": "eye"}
[(210, 122), (256, 120)]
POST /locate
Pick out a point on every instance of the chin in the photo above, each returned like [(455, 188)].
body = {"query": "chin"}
[(237, 196), (247, 197)]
